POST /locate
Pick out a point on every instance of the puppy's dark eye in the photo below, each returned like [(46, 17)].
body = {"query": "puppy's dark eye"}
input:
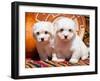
[(37, 33), (61, 30), (70, 30), (46, 32)]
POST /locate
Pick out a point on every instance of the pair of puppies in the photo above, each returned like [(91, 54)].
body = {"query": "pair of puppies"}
[(59, 38)]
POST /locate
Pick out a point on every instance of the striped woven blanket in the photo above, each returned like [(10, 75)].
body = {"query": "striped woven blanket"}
[(37, 64)]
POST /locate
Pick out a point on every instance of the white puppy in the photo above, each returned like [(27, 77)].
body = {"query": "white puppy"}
[(42, 31), (68, 45)]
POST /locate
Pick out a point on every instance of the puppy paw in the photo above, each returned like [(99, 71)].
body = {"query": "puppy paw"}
[(73, 61), (45, 60), (84, 57)]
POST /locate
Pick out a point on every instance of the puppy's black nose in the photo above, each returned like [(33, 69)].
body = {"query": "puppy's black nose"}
[(42, 39), (65, 37)]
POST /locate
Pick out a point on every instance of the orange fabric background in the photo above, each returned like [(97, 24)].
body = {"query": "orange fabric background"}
[(30, 41)]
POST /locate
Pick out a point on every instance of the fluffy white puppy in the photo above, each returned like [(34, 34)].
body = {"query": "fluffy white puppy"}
[(68, 45), (42, 31)]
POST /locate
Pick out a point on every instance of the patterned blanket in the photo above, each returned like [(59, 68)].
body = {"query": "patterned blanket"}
[(39, 64)]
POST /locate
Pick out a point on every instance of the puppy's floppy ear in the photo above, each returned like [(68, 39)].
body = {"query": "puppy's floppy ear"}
[(55, 21), (50, 29), (74, 19), (55, 25)]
